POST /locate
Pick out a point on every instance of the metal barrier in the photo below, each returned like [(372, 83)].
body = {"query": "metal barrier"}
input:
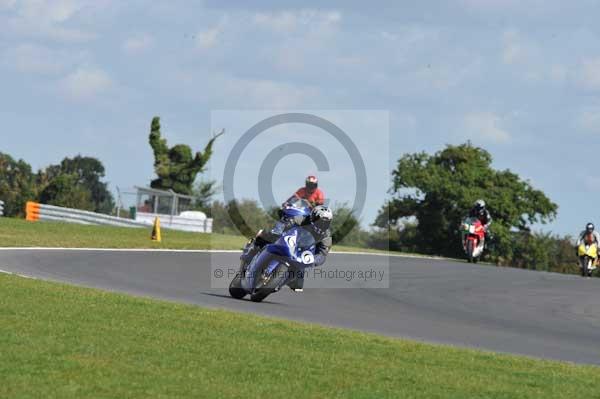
[(1, 208), (177, 222), (36, 211)]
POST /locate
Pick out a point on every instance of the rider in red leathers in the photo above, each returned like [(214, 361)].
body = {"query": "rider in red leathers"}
[(311, 192)]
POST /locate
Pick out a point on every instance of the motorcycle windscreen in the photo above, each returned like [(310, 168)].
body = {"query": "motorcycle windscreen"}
[(294, 212), (297, 206)]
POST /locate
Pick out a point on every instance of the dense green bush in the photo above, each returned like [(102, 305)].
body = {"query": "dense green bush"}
[(17, 185), (64, 191), (345, 227), (538, 251), (438, 191), (244, 217), (74, 183)]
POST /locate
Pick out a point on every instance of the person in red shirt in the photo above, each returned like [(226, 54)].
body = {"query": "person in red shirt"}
[(311, 192)]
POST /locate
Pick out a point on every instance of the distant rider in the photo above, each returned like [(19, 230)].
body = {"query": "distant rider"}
[(317, 224), (480, 212), (589, 232), (311, 192)]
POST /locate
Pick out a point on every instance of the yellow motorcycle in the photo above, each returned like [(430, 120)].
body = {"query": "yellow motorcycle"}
[(588, 258)]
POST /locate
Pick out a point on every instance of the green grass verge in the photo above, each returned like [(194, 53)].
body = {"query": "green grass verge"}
[(59, 341), (20, 233)]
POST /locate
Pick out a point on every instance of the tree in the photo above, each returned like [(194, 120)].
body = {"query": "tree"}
[(239, 216), (438, 191), (203, 193), (175, 167), (83, 174), (541, 251), (345, 227), (65, 190), (17, 185)]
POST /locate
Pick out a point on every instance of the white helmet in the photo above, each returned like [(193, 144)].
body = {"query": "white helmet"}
[(479, 204), (321, 217)]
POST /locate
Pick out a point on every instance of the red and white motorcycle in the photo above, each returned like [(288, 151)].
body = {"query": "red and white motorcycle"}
[(473, 238)]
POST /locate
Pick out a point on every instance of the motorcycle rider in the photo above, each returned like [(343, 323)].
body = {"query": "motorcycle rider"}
[(311, 192), (317, 224), (480, 212), (589, 231)]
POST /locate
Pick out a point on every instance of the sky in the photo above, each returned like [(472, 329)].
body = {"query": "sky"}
[(519, 78)]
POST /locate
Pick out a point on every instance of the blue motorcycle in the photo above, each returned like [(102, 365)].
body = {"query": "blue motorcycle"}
[(279, 263)]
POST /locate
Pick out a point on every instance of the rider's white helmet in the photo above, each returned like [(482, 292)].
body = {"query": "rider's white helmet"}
[(321, 217)]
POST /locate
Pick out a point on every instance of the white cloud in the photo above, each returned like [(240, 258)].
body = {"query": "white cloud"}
[(290, 21), (489, 4), (535, 8), (7, 4), (404, 122), (31, 58), (49, 10), (262, 93), (44, 18), (486, 126), (446, 76), (86, 83), (515, 50), (208, 38), (386, 35), (524, 55), (526, 58), (558, 73), (48, 31), (592, 183), (211, 37), (588, 120), (137, 44), (590, 73)]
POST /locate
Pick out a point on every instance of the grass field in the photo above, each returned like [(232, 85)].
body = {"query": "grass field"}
[(20, 233), (59, 341)]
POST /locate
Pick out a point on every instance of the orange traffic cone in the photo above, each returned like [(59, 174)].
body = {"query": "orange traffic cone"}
[(156, 230)]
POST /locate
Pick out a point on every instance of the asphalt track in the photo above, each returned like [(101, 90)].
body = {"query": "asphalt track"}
[(501, 309)]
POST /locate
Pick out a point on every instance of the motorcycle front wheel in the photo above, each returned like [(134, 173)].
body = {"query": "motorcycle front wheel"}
[(267, 285), (584, 267), (235, 287), (470, 251)]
